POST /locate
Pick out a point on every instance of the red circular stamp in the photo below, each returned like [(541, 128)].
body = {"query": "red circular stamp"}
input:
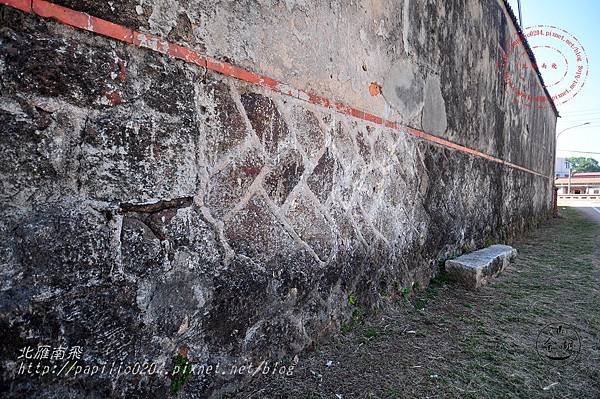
[(559, 57)]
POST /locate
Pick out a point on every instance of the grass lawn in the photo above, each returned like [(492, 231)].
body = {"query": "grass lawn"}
[(447, 342)]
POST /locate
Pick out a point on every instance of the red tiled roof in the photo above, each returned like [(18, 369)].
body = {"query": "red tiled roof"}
[(578, 180)]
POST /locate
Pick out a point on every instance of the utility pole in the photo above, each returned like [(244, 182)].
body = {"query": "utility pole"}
[(571, 127)]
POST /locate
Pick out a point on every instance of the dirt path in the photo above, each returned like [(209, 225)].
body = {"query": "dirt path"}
[(450, 343), (590, 212)]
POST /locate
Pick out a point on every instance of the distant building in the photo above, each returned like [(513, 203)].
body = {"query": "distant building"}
[(587, 183), (562, 167)]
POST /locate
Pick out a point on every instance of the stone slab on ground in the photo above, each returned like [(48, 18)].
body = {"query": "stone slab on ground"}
[(475, 269)]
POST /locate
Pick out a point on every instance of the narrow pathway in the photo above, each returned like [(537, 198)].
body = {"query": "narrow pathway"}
[(592, 213)]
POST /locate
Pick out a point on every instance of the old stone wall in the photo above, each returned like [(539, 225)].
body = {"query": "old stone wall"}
[(151, 204)]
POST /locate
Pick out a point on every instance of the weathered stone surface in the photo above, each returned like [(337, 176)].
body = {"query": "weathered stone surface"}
[(229, 185), (403, 88), (37, 61), (34, 148), (266, 120), (321, 179), (308, 131), (172, 302), (477, 268), (149, 206), (311, 225), (284, 176), (168, 86), (154, 243), (126, 154), (434, 107), (141, 249), (121, 12), (254, 227), (56, 250), (364, 147), (244, 295), (225, 124)]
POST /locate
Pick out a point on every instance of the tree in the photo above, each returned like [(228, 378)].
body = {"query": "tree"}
[(582, 164)]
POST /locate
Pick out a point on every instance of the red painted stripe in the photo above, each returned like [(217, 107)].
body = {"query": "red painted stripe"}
[(186, 55), (111, 30), (373, 118), (23, 5), (151, 42), (106, 28), (390, 124), (62, 14), (318, 100), (227, 69)]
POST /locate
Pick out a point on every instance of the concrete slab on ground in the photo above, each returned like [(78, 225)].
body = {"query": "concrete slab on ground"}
[(475, 269)]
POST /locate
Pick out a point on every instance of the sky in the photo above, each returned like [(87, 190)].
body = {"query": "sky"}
[(581, 18)]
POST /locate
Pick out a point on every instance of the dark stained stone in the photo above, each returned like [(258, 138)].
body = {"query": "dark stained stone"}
[(121, 12), (156, 242), (31, 152), (266, 120), (226, 126), (60, 252), (38, 61), (105, 317), (170, 300), (141, 249), (321, 179), (255, 226), (170, 89), (187, 228), (241, 296), (284, 176), (364, 147)]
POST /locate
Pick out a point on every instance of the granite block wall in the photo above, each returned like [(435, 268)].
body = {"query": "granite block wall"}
[(151, 206)]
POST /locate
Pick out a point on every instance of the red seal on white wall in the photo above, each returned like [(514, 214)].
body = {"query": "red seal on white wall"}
[(560, 58)]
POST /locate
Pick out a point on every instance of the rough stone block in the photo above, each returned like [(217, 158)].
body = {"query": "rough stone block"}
[(38, 62), (476, 268), (267, 122), (255, 226), (229, 185), (132, 153), (321, 179), (308, 131), (226, 127), (280, 182), (125, 12), (311, 225)]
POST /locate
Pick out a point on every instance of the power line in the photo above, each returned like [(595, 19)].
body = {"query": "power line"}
[(580, 152), (581, 113), (592, 123), (578, 111), (581, 116), (582, 110)]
